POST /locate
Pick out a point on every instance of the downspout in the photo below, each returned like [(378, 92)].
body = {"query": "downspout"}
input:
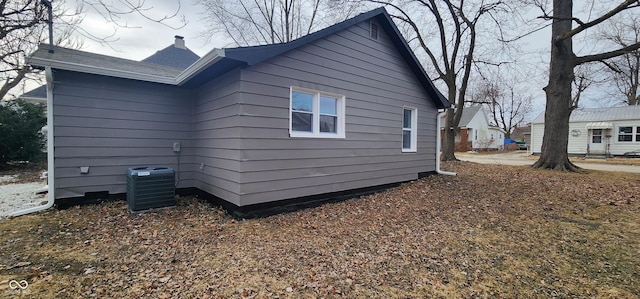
[(439, 145), (50, 149)]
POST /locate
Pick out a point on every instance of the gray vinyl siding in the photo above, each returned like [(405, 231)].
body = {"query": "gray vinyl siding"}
[(217, 138), (234, 129), (112, 124), (376, 82)]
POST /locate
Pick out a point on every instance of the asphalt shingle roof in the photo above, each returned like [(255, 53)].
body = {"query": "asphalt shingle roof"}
[(103, 61), (174, 57), (468, 113), (39, 92)]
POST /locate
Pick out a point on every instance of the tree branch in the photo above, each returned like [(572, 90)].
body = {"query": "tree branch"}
[(624, 5), (606, 55)]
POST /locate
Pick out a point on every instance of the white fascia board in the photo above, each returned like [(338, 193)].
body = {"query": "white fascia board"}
[(207, 60), (69, 66)]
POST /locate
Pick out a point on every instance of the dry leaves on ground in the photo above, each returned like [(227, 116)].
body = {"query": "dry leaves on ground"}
[(491, 231)]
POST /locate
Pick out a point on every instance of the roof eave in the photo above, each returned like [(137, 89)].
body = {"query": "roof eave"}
[(200, 65), (70, 66)]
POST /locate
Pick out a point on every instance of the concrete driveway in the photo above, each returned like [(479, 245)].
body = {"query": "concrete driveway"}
[(523, 158)]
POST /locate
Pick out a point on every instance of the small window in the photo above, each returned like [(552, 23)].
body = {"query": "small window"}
[(637, 134), (625, 134), (409, 129), (596, 136), (316, 114), (373, 30)]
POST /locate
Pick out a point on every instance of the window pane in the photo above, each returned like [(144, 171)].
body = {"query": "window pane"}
[(328, 123), (328, 105), (406, 139), (626, 130), (625, 137), (301, 101), (597, 139), (407, 119), (301, 121), (597, 132)]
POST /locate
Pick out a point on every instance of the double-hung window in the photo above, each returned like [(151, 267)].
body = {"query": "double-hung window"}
[(625, 134), (409, 129), (316, 114)]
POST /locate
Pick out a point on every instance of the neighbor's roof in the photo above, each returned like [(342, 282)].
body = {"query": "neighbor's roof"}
[(220, 61), (174, 57), (38, 93), (467, 115), (599, 114)]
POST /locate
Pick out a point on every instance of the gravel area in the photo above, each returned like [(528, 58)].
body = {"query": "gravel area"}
[(15, 197)]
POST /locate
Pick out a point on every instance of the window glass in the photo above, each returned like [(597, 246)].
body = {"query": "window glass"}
[(409, 133), (301, 121), (328, 123), (406, 139), (625, 134), (301, 101), (316, 114), (407, 119), (637, 134), (328, 105)]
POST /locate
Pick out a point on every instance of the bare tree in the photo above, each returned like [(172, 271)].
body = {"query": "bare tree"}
[(559, 102), (23, 27), (624, 71), (255, 22), (456, 26), (507, 107)]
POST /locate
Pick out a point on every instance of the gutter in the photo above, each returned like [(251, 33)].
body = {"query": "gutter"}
[(439, 145), (50, 167)]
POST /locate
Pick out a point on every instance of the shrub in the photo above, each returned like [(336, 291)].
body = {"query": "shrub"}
[(21, 136)]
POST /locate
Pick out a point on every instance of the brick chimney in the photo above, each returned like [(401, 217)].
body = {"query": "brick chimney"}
[(179, 43)]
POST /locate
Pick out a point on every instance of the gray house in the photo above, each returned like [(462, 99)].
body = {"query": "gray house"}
[(345, 108)]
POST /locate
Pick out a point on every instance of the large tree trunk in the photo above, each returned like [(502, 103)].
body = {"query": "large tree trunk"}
[(449, 142), (558, 92)]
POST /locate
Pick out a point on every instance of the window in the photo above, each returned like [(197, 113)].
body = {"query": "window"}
[(409, 129), (625, 134), (596, 136), (316, 114), (637, 134)]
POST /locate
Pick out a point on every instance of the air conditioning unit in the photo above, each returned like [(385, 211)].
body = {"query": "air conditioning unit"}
[(150, 188)]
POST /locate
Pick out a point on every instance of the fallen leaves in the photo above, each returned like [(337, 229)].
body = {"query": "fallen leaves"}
[(492, 231)]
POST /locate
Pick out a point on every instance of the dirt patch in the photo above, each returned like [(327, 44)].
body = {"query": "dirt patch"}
[(22, 172), (491, 231)]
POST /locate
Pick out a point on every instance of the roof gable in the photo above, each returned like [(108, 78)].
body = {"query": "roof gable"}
[(256, 54), (468, 114)]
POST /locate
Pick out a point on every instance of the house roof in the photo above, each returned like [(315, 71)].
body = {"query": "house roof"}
[(80, 61), (220, 61), (173, 56), (468, 113), (599, 114), (38, 93)]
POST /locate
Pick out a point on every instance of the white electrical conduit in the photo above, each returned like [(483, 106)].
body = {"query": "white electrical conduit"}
[(439, 145), (50, 169)]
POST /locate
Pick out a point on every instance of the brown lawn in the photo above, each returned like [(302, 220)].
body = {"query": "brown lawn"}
[(492, 231)]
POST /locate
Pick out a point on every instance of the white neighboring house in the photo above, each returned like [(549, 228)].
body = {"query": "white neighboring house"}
[(597, 131), (478, 131)]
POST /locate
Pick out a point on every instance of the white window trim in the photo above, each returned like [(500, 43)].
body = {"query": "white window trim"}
[(633, 134), (340, 122), (414, 130)]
